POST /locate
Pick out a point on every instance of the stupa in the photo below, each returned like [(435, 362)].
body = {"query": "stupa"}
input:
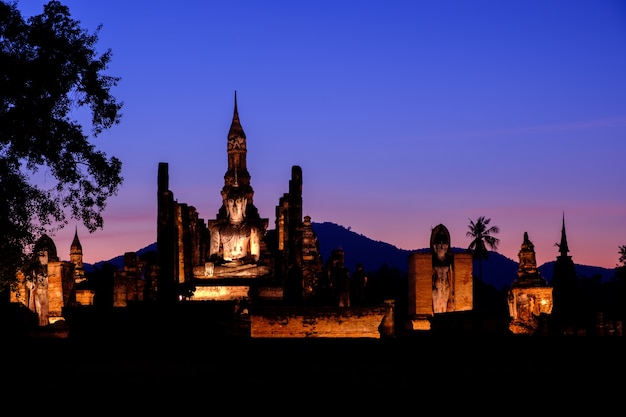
[(530, 296)]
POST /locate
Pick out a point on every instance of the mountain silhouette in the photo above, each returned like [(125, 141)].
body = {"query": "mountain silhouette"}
[(118, 261), (497, 270)]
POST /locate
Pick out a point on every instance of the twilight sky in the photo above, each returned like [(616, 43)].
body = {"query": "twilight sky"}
[(402, 115)]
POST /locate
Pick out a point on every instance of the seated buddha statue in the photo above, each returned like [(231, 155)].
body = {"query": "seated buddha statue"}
[(234, 242)]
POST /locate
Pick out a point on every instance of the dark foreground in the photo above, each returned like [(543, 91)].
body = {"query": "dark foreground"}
[(233, 376)]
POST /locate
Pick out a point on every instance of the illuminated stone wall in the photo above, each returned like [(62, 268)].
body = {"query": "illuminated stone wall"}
[(420, 300), (85, 297), (220, 292), (530, 297), (61, 289), (53, 289), (526, 305), (372, 322), (464, 284)]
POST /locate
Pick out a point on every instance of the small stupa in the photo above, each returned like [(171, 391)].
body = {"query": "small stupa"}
[(530, 296)]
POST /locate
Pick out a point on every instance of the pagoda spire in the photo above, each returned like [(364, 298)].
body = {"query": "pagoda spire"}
[(236, 133), (76, 257), (76, 247), (237, 173), (563, 249)]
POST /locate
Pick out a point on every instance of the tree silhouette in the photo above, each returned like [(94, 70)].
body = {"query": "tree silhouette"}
[(622, 255), (50, 70), (482, 238)]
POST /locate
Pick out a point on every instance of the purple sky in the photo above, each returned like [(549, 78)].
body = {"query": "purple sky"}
[(402, 115)]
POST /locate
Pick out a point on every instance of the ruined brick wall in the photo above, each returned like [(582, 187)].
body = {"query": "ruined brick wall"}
[(464, 282), (50, 293), (420, 296), (61, 289), (420, 301), (320, 322), (84, 297), (119, 289), (167, 241), (129, 284)]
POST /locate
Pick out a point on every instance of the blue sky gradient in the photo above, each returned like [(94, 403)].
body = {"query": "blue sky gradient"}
[(402, 115)]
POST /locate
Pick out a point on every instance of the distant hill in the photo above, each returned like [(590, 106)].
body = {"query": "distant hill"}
[(118, 261), (358, 248), (583, 271), (498, 270)]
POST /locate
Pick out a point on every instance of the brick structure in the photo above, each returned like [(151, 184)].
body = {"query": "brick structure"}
[(131, 284), (295, 241), (530, 296), (420, 285), (61, 289), (420, 301), (565, 288), (76, 257), (84, 293), (323, 322), (47, 286), (184, 239)]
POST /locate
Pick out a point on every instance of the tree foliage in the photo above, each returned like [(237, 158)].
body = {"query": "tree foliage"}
[(49, 170), (482, 238), (622, 254)]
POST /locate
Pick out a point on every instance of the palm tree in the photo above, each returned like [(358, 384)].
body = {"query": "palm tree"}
[(481, 238)]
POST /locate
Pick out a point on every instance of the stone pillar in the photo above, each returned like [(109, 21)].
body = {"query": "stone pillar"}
[(61, 289), (463, 282), (119, 289), (420, 296)]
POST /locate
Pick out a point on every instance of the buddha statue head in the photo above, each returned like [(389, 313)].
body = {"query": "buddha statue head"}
[(235, 204)]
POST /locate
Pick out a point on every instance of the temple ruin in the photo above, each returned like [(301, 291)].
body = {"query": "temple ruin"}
[(233, 255), (530, 296), (425, 273)]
